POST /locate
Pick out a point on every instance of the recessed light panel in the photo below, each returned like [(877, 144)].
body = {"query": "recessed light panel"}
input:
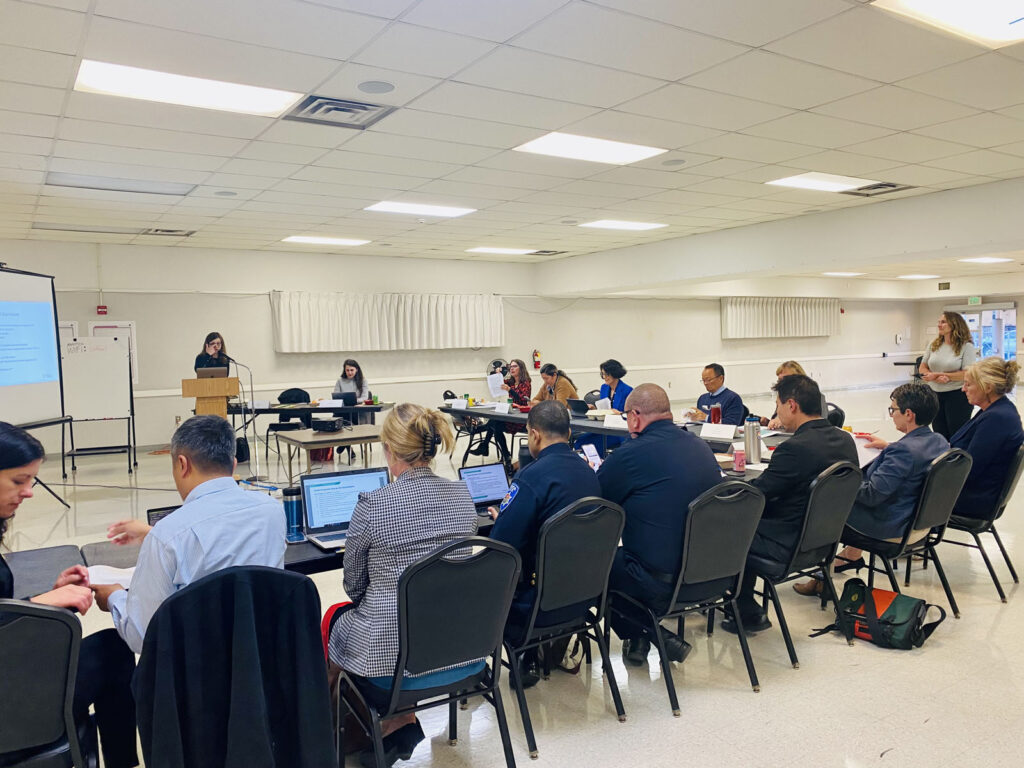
[(150, 85), (442, 211), (917, 277), (985, 260), (503, 251), (614, 224), (822, 182), (994, 23), (588, 148), (311, 240), (842, 274), (106, 183)]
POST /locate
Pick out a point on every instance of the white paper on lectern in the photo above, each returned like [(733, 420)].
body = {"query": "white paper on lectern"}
[(501, 407), (494, 382), (604, 404), (718, 431), (459, 404), (615, 421)]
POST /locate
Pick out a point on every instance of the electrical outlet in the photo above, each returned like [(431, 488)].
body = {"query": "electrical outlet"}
[(670, 385), (177, 420)]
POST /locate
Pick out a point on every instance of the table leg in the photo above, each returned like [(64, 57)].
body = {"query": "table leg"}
[(289, 448), (309, 462)]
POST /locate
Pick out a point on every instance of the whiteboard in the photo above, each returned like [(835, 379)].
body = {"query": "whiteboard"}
[(96, 383), (124, 332)]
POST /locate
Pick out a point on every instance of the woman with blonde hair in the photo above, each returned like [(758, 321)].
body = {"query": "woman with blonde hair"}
[(789, 368), (992, 437), (391, 528), (942, 368)]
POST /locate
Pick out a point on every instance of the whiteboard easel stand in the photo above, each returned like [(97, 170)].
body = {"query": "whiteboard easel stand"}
[(131, 448)]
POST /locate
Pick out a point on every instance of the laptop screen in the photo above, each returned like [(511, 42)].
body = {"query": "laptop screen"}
[(486, 484), (330, 498)]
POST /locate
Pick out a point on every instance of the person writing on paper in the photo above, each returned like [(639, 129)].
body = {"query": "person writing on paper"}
[(615, 390), (352, 380), (888, 494), (105, 664), (713, 379), (557, 386), (218, 526), (942, 368), (214, 354)]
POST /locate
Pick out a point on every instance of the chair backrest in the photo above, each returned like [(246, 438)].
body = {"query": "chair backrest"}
[(293, 396), (592, 396), (836, 416), (453, 604), (39, 654), (942, 485), (719, 528), (1010, 484), (575, 550), (831, 499)]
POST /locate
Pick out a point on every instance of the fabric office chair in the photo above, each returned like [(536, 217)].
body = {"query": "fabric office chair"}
[(242, 647), (575, 550), (284, 423), (452, 608), (719, 528), (832, 495), (39, 647), (592, 396), (986, 523), (836, 416)]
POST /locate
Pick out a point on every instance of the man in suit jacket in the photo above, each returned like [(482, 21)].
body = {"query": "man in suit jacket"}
[(814, 447), (654, 477)]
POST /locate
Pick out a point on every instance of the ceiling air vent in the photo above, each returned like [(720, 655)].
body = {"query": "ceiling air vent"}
[(323, 110), (169, 232), (874, 190)]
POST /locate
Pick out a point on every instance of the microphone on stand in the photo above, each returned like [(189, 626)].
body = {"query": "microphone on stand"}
[(255, 478)]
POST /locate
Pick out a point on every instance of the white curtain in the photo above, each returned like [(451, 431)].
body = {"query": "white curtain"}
[(772, 318), (351, 322)]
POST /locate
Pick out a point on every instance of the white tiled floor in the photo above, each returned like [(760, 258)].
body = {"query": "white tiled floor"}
[(957, 701)]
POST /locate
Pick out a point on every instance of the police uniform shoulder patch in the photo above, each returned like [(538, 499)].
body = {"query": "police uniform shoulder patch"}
[(509, 497)]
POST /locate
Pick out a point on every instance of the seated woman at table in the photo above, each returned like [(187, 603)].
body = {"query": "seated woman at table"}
[(992, 436), (557, 386), (519, 386), (615, 390), (105, 664), (352, 380), (214, 354), (391, 529)]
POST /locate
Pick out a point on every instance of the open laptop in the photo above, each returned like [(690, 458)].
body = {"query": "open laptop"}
[(578, 407), (328, 500), (218, 372), (348, 398), (487, 485)]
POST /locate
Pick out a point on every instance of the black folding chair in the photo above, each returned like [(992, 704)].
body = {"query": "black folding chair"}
[(986, 523), (943, 483), (39, 647), (452, 608), (592, 396), (836, 416), (575, 550), (832, 495), (719, 528), (284, 423)]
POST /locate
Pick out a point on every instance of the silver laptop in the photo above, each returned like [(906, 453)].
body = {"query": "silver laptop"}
[(487, 485), (328, 500)]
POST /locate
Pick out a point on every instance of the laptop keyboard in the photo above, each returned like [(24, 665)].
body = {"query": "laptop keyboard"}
[(333, 537)]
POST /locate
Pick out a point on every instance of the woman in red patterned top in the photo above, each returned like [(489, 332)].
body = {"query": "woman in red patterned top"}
[(519, 388)]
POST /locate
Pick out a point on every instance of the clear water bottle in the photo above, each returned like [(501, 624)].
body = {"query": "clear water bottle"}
[(752, 440), (293, 513)]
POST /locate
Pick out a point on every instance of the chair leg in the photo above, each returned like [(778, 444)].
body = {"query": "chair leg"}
[(871, 571), (610, 674), (742, 634), (516, 683), (378, 739), (506, 740), (339, 722), (1006, 557), (711, 619), (945, 583), (782, 623), (453, 722), (585, 639), (991, 570), (906, 577), (830, 587), (892, 575), (666, 667)]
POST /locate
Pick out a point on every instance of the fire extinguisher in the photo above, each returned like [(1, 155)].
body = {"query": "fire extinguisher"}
[(536, 359)]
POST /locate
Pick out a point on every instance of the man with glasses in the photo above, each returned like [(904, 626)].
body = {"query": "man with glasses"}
[(713, 379), (654, 477)]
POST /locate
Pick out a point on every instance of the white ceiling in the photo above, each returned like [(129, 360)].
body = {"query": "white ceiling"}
[(740, 91)]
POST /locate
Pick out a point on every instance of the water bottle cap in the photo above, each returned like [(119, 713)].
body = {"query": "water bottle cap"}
[(292, 491)]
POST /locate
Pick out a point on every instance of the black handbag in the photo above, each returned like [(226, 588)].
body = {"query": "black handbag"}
[(900, 623), (241, 450)]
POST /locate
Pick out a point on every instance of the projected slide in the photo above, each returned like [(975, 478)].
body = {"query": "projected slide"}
[(28, 345)]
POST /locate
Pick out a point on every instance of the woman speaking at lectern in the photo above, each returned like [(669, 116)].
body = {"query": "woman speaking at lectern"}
[(214, 354)]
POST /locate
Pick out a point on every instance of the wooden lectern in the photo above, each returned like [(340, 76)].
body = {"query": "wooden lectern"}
[(211, 394)]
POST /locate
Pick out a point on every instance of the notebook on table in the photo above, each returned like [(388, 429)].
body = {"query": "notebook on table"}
[(487, 485), (328, 500)]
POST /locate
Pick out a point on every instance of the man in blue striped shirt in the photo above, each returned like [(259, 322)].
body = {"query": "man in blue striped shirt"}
[(218, 526)]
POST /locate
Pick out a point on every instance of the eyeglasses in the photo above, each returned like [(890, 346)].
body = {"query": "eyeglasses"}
[(706, 381), (893, 410)]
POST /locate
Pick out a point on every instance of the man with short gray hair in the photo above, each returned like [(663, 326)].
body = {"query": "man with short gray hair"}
[(218, 526)]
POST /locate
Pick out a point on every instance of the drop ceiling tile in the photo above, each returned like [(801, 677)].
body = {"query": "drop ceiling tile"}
[(124, 170), (753, 22), (411, 122), (118, 111), (345, 85), (120, 135), (513, 179), (766, 206), (1017, 148), (635, 129), (568, 201), (779, 80), (232, 180), (697, 106), (259, 168), (752, 148), (538, 74), (500, 106), (378, 181), (422, 51), (358, 161), (376, 143), (307, 134), (728, 214), (336, 191), (25, 65), (843, 163), (725, 166), (40, 27), (675, 161), (138, 157), (653, 207), (497, 20), (459, 190), (648, 178), (733, 187), (626, 42), (896, 108), (817, 130), (543, 165), (983, 130), (28, 145), (923, 176), (684, 197), (806, 197), (981, 162), (604, 189), (290, 26), (280, 153), (25, 124), (874, 44), (22, 175), (907, 148), (990, 81)]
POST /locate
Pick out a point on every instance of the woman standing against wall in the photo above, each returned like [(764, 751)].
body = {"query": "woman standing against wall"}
[(942, 368)]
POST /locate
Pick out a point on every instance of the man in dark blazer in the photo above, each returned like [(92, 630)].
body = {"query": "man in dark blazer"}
[(814, 447), (654, 477)]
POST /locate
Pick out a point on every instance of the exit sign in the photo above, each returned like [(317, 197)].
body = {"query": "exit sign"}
[(973, 300)]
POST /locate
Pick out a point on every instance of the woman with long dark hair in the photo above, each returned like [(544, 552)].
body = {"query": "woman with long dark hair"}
[(352, 380), (557, 386), (942, 368), (214, 354)]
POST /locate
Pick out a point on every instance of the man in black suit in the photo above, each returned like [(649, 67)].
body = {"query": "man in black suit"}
[(814, 447), (654, 477)]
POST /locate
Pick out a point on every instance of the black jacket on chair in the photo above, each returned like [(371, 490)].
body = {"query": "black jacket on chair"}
[(232, 675)]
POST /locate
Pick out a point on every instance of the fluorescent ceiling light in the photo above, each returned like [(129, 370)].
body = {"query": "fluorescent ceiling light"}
[(822, 182), (842, 274), (80, 181), (150, 85), (994, 23), (985, 260), (613, 224), (309, 240), (917, 277), (588, 148), (503, 251), (443, 211)]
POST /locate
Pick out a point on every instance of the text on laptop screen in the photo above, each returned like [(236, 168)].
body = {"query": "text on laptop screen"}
[(486, 483), (331, 498)]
